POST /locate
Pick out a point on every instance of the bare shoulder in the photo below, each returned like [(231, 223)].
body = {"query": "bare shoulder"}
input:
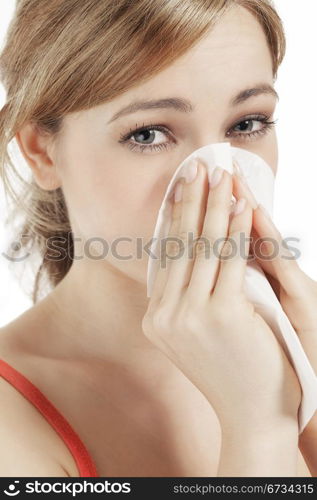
[(27, 447), (24, 446), (30, 446)]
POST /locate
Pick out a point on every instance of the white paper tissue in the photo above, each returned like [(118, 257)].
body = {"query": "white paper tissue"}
[(260, 179)]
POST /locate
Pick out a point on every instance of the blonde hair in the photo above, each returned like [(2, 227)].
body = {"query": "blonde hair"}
[(62, 56)]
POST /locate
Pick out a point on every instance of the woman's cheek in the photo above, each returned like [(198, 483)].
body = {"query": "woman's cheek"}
[(269, 151)]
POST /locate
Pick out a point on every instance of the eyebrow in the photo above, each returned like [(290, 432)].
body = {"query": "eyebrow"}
[(185, 106)]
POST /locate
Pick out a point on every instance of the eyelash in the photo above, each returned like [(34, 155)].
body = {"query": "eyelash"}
[(268, 125)]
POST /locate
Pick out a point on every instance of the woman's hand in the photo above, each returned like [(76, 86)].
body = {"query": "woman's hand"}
[(200, 318), (297, 294), (296, 291)]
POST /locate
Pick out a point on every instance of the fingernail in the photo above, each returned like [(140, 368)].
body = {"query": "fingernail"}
[(232, 205), (192, 170), (240, 206), (216, 177), (178, 192)]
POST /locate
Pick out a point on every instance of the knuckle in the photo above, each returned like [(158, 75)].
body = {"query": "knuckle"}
[(172, 247), (203, 247), (161, 320), (176, 217), (147, 324), (228, 249), (218, 203), (182, 236), (159, 327), (227, 309), (188, 197), (222, 321), (186, 318)]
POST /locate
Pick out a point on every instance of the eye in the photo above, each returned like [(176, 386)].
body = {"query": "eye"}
[(248, 130), (151, 137)]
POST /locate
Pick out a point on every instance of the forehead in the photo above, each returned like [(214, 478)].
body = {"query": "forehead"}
[(233, 54)]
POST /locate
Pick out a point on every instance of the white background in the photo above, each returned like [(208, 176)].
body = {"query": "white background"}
[(295, 210)]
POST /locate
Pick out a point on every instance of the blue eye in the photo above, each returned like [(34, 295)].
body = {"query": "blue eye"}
[(151, 133), (147, 133)]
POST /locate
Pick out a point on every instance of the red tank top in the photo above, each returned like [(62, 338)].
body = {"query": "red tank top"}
[(83, 460)]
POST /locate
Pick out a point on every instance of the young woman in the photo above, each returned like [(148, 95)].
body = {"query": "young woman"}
[(105, 99)]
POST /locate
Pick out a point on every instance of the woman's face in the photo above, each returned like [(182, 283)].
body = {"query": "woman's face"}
[(114, 180)]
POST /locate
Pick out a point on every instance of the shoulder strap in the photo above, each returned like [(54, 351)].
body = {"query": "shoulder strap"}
[(83, 459)]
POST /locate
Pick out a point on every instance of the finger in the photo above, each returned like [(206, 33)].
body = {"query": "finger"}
[(265, 265), (193, 201), (164, 262), (234, 255), (284, 268), (213, 235), (256, 247), (272, 252), (240, 186)]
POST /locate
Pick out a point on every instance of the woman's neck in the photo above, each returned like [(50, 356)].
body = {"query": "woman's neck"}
[(97, 312)]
